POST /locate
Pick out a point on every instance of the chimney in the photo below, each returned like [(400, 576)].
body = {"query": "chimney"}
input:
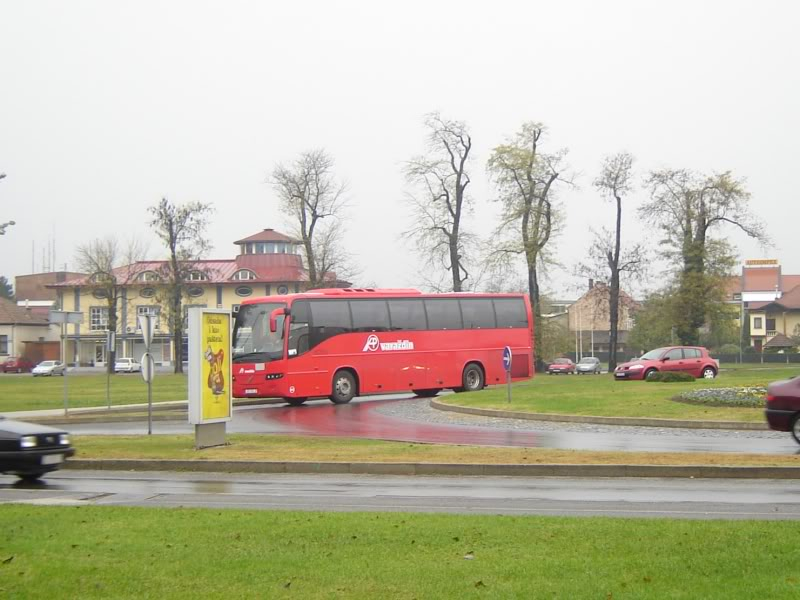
[(591, 284)]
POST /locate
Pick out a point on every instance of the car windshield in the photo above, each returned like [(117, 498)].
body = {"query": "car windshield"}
[(588, 360), (47, 363), (252, 340), (562, 361), (653, 354)]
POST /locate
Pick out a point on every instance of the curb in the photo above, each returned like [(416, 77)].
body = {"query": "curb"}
[(629, 421), (458, 470)]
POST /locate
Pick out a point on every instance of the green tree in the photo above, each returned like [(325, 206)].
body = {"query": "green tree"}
[(6, 291), (182, 229), (525, 178), (689, 209)]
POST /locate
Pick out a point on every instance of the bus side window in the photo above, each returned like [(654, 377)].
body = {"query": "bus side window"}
[(477, 313), (329, 318), (369, 315), (298, 329), (443, 313), (510, 312), (408, 315)]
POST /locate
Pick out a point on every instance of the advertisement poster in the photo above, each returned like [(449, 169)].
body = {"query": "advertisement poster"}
[(209, 366), (216, 330)]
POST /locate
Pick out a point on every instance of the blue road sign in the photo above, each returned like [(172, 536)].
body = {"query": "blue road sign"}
[(507, 358)]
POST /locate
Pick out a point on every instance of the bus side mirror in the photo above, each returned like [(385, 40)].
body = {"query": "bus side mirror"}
[(273, 319)]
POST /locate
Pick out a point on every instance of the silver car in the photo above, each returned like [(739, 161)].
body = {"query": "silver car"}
[(49, 368), (588, 364)]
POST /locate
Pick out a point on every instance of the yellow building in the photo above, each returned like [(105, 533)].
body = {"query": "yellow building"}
[(268, 263)]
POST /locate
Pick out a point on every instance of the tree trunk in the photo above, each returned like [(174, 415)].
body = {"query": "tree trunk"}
[(613, 331), (536, 309), (177, 333)]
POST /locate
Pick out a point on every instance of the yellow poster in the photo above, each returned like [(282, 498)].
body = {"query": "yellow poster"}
[(215, 382)]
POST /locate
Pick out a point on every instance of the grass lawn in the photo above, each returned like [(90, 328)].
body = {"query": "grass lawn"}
[(120, 552), (311, 449), (601, 395), (24, 392)]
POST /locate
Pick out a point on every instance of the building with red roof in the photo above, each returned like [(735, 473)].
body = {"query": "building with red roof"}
[(268, 263)]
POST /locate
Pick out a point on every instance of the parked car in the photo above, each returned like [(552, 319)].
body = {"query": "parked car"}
[(29, 451), (588, 364), (127, 365), (688, 359), (561, 365), (49, 367), (783, 406), (16, 364)]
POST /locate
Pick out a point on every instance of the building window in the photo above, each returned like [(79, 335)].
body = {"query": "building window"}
[(757, 323), (283, 289), (235, 308), (100, 293), (148, 276), (244, 275), (147, 292), (197, 276), (98, 318), (737, 296), (195, 292), (153, 311), (3, 344), (244, 290)]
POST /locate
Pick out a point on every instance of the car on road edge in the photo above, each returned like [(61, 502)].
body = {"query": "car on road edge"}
[(28, 450), (561, 365), (588, 364), (783, 406), (127, 365), (48, 368), (16, 364)]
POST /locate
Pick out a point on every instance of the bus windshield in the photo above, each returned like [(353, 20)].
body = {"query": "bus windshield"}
[(252, 339)]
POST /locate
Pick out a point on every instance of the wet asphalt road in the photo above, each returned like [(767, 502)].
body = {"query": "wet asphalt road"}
[(409, 419), (616, 497)]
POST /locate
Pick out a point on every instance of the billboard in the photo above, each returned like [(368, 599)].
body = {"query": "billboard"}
[(210, 398)]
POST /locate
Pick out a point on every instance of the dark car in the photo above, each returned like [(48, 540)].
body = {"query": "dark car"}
[(16, 364), (561, 365), (694, 360), (783, 406), (29, 451)]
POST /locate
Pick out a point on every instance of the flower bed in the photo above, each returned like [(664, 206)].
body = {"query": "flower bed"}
[(747, 397)]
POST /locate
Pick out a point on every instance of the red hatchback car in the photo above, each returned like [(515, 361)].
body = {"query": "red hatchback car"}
[(561, 365), (694, 360), (16, 364), (783, 406)]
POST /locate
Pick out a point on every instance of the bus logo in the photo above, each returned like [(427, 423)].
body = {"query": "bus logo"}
[(373, 344)]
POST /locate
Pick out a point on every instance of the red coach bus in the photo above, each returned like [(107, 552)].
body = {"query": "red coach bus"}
[(347, 342)]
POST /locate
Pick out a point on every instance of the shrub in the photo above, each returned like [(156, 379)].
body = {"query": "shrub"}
[(729, 349), (670, 376)]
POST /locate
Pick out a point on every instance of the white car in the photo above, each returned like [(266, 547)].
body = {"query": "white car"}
[(127, 365), (49, 368)]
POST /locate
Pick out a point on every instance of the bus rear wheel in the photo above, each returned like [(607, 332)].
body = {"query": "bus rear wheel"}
[(426, 393), (344, 387), (472, 378)]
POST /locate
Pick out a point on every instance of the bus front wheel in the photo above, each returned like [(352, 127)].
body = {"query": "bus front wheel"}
[(472, 379), (344, 387), (427, 393)]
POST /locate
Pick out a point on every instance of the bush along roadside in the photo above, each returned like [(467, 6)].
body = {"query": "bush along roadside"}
[(745, 397), (670, 377)]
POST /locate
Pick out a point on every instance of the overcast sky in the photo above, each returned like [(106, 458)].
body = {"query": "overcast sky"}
[(106, 106)]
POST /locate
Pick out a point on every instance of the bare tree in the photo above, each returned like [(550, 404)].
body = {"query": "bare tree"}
[(439, 202), (525, 179), (610, 262), (688, 208), (110, 266), (315, 201), (183, 231)]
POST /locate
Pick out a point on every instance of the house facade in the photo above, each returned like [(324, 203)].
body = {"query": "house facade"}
[(589, 318), (24, 333), (769, 301), (267, 263)]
